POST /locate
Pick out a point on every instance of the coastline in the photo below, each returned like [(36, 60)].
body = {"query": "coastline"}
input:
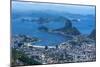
[(38, 46)]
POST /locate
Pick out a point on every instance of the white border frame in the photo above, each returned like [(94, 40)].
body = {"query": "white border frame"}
[(5, 33)]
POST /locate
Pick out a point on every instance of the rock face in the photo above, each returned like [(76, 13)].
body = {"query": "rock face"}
[(72, 31), (68, 28), (68, 24), (67, 21), (93, 34)]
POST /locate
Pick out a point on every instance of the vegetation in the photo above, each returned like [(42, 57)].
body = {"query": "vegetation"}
[(73, 31), (68, 28), (18, 55), (93, 34)]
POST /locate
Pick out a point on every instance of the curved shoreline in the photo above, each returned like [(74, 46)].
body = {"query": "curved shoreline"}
[(37, 46)]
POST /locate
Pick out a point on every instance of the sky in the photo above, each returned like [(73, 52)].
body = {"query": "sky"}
[(30, 6)]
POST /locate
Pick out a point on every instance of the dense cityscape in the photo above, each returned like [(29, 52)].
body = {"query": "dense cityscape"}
[(79, 49)]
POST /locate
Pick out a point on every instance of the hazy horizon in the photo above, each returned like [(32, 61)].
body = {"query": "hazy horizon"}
[(74, 9)]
